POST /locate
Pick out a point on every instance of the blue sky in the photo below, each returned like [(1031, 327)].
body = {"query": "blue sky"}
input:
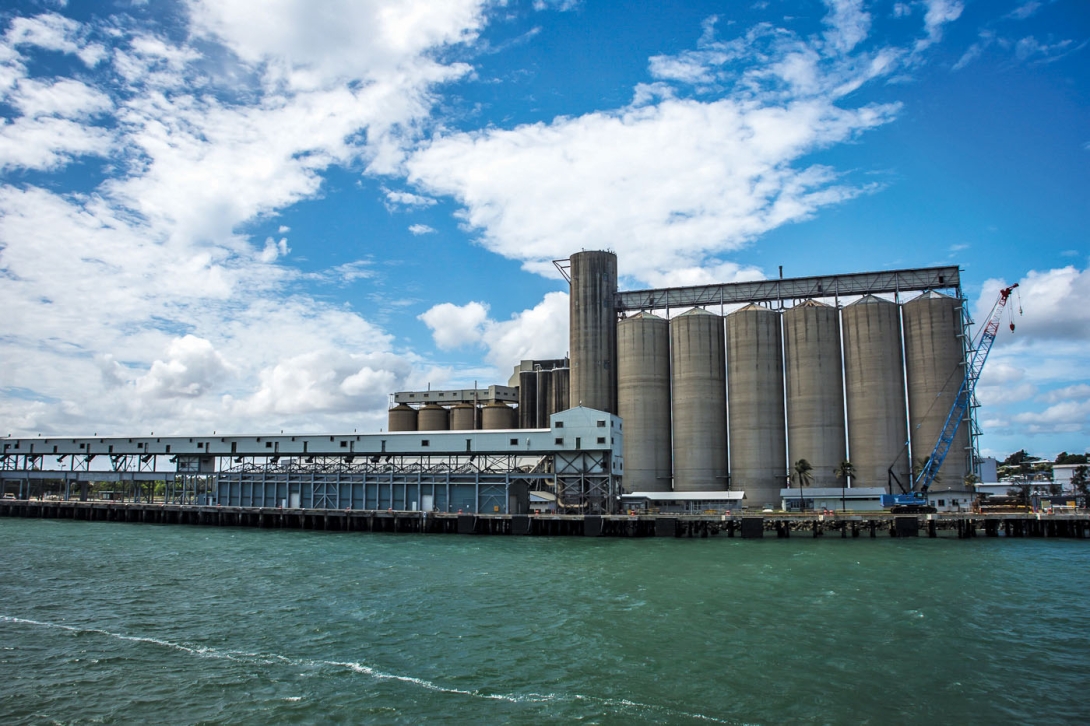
[(259, 216)]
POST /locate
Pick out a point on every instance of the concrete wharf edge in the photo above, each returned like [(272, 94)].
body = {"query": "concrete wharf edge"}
[(962, 525)]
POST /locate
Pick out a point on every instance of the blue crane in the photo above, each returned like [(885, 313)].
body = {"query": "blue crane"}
[(980, 349)]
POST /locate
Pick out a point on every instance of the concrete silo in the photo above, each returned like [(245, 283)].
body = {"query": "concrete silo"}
[(498, 415), (593, 333), (643, 401), (755, 384), (934, 369), (544, 398), (699, 402), (527, 412), (463, 417), (875, 392), (433, 417), (402, 418), (561, 391), (815, 389)]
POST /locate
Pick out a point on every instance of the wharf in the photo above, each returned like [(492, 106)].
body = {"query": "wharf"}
[(962, 525)]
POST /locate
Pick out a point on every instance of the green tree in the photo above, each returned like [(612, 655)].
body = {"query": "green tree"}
[(917, 469), (1020, 494), (1080, 480), (803, 477), (845, 471)]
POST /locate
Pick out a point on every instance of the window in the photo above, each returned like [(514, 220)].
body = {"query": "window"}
[(514, 442), (344, 444), (268, 444), (560, 424), (942, 502), (601, 423), (559, 442), (601, 439), (425, 442)]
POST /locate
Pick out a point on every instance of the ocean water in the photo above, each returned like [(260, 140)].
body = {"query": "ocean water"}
[(124, 623)]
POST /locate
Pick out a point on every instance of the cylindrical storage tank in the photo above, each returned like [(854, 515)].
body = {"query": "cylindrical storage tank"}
[(544, 398), (527, 413), (875, 392), (815, 390), (402, 418), (498, 415), (433, 417), (593, 331), (699, 403), (463, 417), (755, 401), (643, 401), (561, 390), (935, 369)]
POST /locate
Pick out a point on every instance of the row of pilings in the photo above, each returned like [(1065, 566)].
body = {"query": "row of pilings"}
[(783, 526)]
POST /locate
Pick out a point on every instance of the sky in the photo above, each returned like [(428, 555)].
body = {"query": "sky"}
[(245, 217)]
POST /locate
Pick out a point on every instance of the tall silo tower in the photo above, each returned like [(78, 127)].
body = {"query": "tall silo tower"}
[(815, 390), (593, 333), (699, 402), (935, 369), (758, 463), (875, 392), (643, 401)]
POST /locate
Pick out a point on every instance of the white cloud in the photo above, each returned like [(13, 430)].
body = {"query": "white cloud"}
[(848, 24), (1055, 305), (1075, 392), (51, 31), (671, 182), (395, 199), (454, 326), (938, 14), (419, 229), (144, 290), (1024, 10), (1066, 417), (540, 332), (193, 367)]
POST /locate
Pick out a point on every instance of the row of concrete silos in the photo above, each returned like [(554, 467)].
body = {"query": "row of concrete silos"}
[(685, 375), (542, 392), (458, 417)]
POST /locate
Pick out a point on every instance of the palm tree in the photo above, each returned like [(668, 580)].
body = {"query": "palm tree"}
[(804, 478), (919, 467), (844, 473)]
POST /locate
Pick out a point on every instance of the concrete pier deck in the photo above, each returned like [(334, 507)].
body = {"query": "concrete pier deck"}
[(962, 525)]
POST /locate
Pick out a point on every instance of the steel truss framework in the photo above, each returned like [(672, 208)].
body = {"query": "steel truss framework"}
[(796, 288), (472, 483)]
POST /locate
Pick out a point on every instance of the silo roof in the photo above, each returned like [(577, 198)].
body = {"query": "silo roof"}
[(697, 311), (871, 300), (751, 308)]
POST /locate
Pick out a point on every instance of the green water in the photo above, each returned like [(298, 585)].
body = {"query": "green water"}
[(116, 623)]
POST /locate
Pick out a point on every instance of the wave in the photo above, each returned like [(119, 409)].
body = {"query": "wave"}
[(369, 671)]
